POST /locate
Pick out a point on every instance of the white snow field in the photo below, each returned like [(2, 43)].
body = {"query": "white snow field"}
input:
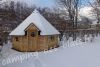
[(76, 54)]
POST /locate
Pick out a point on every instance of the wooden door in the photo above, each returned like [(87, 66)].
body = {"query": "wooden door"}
[(32, 40), (32, 32)]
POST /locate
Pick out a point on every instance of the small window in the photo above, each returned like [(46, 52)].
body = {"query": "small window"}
[(39, 32), (25, 33), (16, 39)]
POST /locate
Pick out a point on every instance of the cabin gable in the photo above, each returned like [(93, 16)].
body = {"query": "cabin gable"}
[(31, 27), (32, 30)]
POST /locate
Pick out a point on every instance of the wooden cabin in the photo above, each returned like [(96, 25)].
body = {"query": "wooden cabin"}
[(35, 33)]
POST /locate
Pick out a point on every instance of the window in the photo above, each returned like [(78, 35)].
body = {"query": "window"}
[(16, 39), (25, 33), (39, 32)]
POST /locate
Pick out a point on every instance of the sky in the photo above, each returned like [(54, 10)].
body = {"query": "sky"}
[(85, 3), (40, 3), (46, 3)]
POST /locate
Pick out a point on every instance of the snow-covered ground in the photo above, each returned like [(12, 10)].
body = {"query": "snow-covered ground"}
[(72, 54)]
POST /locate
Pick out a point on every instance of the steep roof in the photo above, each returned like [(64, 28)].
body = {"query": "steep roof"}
[(39, 21)]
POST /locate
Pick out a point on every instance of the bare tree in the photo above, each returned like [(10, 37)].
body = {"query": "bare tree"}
[(96, 9), (71, 6)]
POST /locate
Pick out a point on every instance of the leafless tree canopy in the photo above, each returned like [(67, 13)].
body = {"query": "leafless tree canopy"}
[(96, 7), (71, 6)]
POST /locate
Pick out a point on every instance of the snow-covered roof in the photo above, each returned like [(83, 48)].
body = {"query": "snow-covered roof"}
[(39, 21)]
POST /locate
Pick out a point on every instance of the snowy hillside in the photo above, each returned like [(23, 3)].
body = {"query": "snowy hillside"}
[(71, 54)]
